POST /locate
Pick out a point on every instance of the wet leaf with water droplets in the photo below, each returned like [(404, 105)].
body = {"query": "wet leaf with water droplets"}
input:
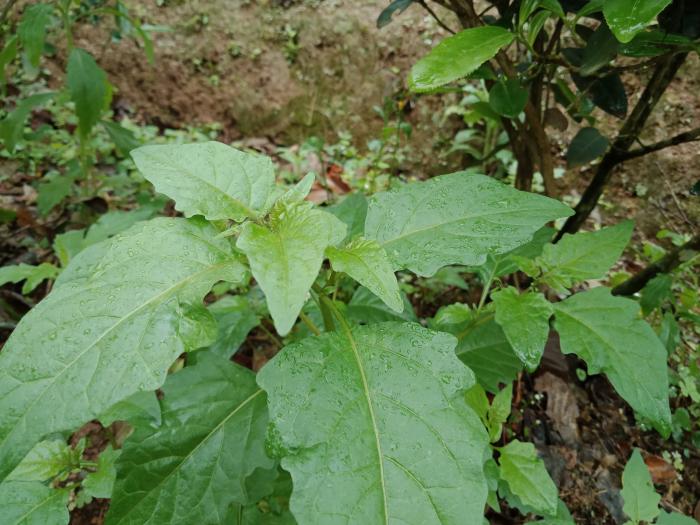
[(109, 328), (376, 428), (455, 219), (608, 334), (211, 439), (286, 254), (32, 503), (209, 179)]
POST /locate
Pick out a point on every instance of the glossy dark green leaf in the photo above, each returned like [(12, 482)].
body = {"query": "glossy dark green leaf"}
[(607, 333), (89, 89), (286, 254), (396, 7), (33, 503), (374, 427), (193, 466), (600, 50), (524, 319), (508, 98), (457, 56), (109, 328), (653, 43), (586, 146), (656, 291), (209, 179), (32, 31), (608, 92), (626, 18), (455, 219)]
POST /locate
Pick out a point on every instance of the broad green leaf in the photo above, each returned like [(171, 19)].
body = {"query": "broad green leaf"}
[(455, 219), (670, 333), (300, 190), (352, 210), (210, 179), (367, 262), (192, 467), (457, 56), (527, 477), (656, 291), (32, 31), (88, 88), (484, 348), (524, 319), (641, 500), (236, 318), (563, 517), (607, 333), (286, 254), (33, 503), (674, 518), (586, 146), (508, 98), (268, 501), (366, 308), (12, 126), (655, 42), (109, 328), (32, 276), (583, 255), (47, 460), (138, 407), (375, 429), (124, 139), (99, 484), (626, 18)]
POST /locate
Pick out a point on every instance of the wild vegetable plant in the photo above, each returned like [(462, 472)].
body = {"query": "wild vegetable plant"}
[(378, 419)]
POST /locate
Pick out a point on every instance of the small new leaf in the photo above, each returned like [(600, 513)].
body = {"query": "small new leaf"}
[(525, 322), (527, 477), (367, 262), (286, 255), (641, 502)]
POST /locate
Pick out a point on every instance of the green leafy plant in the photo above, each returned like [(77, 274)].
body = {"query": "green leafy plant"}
[(375, 417)]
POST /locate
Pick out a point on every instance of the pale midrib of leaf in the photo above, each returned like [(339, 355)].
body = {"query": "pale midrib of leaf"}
[(607, 345), (370, 406), (133, 312), (452, 221), (246, 209), (176, 468)]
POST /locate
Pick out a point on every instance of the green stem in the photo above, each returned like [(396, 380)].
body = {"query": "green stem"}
[(308, 322), (485, 291), (326, 301), (326, 312)]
